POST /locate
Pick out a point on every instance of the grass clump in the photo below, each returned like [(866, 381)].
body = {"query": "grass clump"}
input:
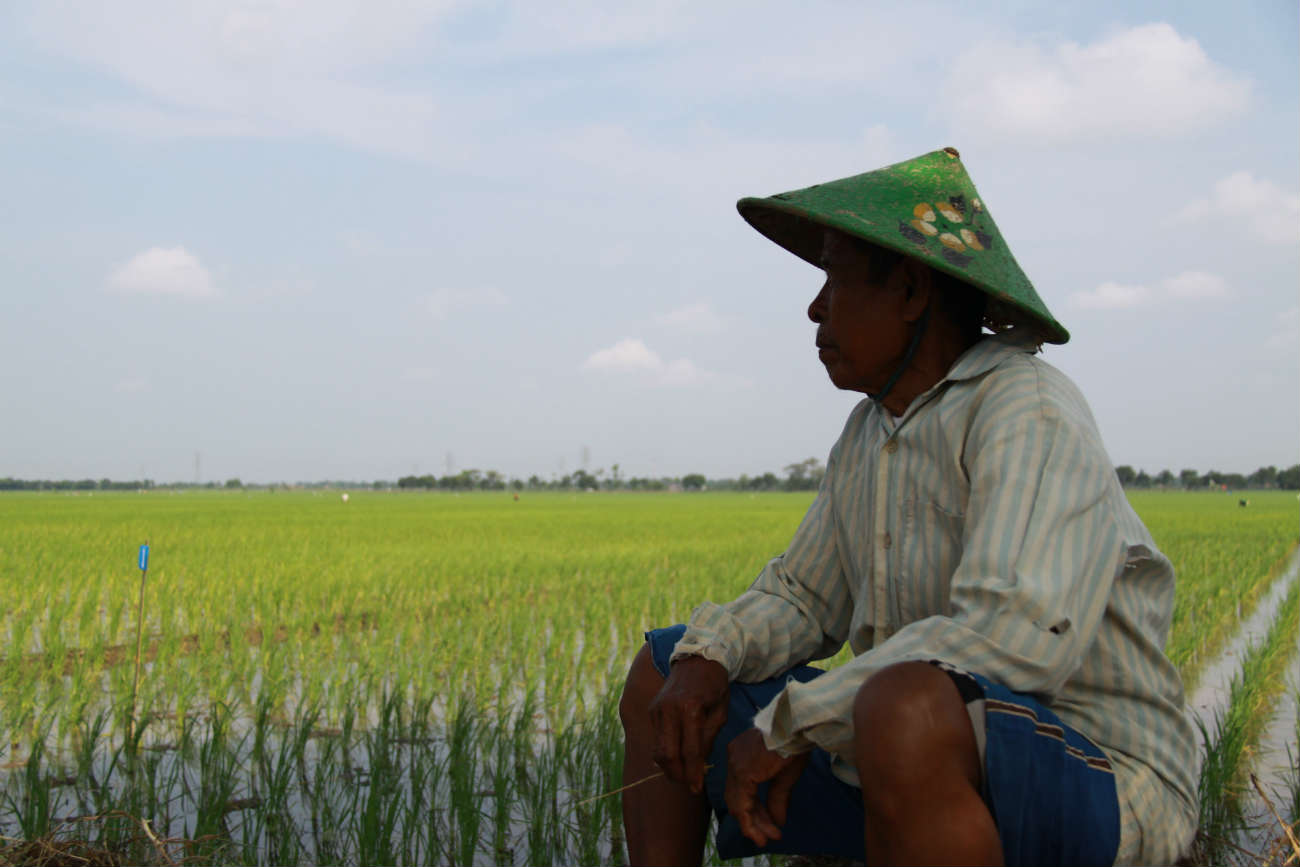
[(1223, 785)]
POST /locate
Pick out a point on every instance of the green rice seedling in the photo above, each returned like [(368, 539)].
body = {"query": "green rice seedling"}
[(1292, 806), (105, 794), (581, 768), (273, 835), (156, 778), (91, 732), (608, 737), (420, 833), (32, 805), (503, 790), (381, 807), (465, 796), (218, 782), (521, 616), (543, 828), (327, 782), (522, 738), (438, 836), (1225, 558), (1253, 689)]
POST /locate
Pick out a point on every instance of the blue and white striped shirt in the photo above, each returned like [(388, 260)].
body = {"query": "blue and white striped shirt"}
[(985, 528)]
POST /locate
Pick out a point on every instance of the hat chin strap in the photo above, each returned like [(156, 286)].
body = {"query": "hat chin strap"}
[(907, 357)]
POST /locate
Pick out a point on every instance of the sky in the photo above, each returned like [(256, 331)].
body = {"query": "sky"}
[(359, 239)]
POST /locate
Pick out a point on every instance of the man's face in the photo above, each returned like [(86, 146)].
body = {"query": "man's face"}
[(861, 331)]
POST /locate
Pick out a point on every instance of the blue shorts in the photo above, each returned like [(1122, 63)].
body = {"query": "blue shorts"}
[(1050, 790)]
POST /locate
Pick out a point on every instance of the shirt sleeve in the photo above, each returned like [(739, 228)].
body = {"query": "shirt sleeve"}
[(798, 608), (1041, 549)]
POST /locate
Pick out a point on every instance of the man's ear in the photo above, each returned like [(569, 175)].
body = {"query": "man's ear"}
[(918, 280)]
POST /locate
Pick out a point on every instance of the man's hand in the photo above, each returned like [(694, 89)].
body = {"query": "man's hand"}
[(687, 714), (750, 762)]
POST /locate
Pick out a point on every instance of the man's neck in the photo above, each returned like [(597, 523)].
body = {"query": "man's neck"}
[(939, 349)]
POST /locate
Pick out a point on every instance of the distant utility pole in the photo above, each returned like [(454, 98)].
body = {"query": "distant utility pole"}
[(197, 459), (586, 457)]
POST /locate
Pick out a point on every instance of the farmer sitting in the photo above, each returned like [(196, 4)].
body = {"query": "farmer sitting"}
[(1008, 699)]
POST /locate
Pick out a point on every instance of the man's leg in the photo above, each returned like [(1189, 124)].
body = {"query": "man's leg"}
[(919, 766), (665, 822)]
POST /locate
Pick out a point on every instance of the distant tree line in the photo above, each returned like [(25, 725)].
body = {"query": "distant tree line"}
[(805, 475), (11, 484), (1191, 480)]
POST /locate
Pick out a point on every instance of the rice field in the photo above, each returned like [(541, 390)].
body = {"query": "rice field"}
[(402, 677)]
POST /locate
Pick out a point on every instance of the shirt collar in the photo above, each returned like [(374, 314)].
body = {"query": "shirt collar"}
[(987, 353)]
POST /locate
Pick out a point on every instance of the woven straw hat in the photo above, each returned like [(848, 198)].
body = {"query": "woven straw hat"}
[(926, 208)]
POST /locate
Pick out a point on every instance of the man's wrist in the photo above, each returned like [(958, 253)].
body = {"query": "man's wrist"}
[(700, 665), (707, 652), (775, 723), (691, 657)]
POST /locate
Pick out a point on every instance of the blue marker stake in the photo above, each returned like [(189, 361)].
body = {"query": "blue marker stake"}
[(139, 645)]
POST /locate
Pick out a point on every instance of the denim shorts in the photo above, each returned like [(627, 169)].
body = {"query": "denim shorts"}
[(1050, 790)]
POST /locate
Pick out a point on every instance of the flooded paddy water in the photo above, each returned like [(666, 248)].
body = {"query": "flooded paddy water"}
[(408, 678), (1210, 700)]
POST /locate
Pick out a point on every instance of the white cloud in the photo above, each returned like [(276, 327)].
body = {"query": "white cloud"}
[(571, 27), (1146, 81), (697, 318), (164, 271), (1187, 286), (1259, 207), (442, 303), (387, 76), (683, 372), (631, 356), (721, 47), (628, 354), (713, 159), (211, 67), (1195, 284), (1111, 296)]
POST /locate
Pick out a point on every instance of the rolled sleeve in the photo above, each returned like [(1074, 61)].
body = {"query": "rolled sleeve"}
[(798, 608)]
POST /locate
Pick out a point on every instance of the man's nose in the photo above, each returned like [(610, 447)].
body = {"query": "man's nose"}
[(817, 309)]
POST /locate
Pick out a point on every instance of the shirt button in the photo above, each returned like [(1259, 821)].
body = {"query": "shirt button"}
[(886, 541), (891, 446)]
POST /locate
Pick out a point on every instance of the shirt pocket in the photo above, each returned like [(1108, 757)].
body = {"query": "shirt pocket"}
[(934, 548)]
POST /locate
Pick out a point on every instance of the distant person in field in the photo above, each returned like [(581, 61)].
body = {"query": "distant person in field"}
[(1009, 699)]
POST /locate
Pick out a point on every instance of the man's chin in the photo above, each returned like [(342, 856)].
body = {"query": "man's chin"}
[(838, 379), (843, 382)]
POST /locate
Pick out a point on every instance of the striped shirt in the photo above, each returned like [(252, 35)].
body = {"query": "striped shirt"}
[(986, 528)]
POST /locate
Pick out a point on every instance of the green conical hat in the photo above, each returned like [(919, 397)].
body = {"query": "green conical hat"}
[(926, 208)]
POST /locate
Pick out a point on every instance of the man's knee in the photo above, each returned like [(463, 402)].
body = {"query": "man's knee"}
[(906, 718), (643, 683)]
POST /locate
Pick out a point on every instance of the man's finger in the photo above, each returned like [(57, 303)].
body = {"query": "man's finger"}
[(741, 801), (713, 722), (764, 823), (692, 759), (668, 753), (778, 794)]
